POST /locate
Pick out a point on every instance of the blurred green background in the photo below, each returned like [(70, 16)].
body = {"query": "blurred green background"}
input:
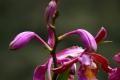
[(27, 15)]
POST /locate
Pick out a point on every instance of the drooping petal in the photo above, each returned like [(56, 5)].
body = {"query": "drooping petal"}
[(51, 36), (50, 61), (87, 39), (117, 58), (73, 51), (101, 35), (115, 74), (23, 38), (39, 73), (50, 11)]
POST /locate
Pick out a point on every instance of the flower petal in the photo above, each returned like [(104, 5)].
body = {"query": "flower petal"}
[(101, 35), (23, 38), (39, 73), (87, 39), (117, 58), (73, 51), (50, 61), (65, 66), (50, 11)]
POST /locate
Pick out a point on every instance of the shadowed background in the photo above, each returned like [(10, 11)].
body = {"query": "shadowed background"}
[(27, 15)]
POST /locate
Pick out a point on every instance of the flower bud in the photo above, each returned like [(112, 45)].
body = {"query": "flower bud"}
[(50, 11), (21, 39)]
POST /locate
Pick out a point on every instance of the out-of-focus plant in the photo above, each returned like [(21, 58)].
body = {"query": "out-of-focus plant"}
[(62, 65)]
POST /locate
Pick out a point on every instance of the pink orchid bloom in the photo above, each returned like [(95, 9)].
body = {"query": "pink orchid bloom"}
[(87, 57), (66, 59), (75, 54)]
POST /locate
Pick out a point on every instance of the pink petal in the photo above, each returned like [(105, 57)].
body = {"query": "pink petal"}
[(101, 35), (73, 51), (39, 73), (65, 66), (117, 58), (50, 61), (87, 39)]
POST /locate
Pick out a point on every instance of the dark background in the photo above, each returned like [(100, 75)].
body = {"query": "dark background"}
[(27, 15)]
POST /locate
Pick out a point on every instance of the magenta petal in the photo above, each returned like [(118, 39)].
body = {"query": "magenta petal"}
[(115, 74), (87, 39), (101, 35), (50, 11), (50, 61), (73, 51), (21, 39), (65, 66), (51, 36), (39, 73), (117, 58)]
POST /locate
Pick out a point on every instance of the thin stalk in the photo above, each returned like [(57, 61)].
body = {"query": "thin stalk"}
[(53, 53)]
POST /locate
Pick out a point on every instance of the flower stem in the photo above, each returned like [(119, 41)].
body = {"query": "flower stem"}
[(53, 53)]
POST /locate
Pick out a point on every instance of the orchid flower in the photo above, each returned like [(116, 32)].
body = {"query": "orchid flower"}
[(61, 65), (75, 52), (87, 58)]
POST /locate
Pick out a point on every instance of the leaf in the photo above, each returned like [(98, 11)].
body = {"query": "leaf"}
[(64, 75)]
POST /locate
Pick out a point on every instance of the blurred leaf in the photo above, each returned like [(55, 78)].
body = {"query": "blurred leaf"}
[(64, 75)]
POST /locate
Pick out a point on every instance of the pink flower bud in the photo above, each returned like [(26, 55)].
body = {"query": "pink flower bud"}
[(21, 39), (50, 11)]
